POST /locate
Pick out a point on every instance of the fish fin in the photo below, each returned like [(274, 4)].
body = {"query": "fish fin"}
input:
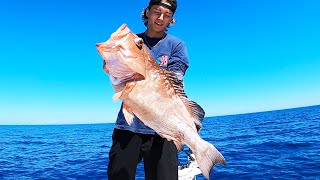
[(196, 110), (128, 114), (168, 137), (197, 113), (127, 89), (179, 145), (176, 141), (207, 156), (116, 96)]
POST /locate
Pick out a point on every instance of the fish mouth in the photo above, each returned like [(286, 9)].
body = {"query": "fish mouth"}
[(122, 56)]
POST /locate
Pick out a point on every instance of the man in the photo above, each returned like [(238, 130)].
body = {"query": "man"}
[(132, 143)]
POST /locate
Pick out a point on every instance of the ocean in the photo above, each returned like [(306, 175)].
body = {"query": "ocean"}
[(282, 144)]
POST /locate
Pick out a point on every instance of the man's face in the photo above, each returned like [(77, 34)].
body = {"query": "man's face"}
[(159, 17)]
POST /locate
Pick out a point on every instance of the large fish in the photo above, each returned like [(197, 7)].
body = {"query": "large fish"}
[(155, 95)]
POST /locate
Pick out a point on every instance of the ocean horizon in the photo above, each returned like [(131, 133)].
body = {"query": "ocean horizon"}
[(279, 144), (223, 115)]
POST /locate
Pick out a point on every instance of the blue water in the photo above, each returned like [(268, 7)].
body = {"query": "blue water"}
[(282, 144)]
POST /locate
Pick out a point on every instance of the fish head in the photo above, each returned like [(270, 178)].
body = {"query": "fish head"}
[(124, 56)]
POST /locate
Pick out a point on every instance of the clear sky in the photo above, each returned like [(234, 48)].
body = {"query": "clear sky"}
[(245, 56)]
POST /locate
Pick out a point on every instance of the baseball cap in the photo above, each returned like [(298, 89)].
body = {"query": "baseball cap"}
[(173, 4)]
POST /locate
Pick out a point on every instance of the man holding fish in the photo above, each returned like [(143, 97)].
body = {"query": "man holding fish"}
[(132, 143), (156, 117)]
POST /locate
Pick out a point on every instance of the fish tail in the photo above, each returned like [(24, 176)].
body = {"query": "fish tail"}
[(207, 156)]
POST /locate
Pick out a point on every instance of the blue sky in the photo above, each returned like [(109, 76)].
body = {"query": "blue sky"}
[(245, 56)]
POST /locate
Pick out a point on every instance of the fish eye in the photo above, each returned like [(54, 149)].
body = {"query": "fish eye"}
[(138, 42), (141, 41)]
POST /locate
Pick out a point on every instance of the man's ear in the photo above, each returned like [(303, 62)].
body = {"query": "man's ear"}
[(147, 12)]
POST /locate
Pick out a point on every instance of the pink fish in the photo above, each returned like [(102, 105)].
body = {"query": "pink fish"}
[(156, 96)]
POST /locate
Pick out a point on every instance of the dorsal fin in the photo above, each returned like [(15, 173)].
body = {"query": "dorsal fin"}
[(198, 113)]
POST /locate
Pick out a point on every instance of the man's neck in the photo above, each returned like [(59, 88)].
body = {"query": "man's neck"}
[(154, 34)]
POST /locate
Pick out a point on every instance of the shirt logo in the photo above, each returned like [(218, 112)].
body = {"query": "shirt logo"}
[(163, 60)]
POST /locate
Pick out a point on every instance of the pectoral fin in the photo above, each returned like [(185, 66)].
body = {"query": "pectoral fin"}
[(127, 89), (117, 95), (128, 114)]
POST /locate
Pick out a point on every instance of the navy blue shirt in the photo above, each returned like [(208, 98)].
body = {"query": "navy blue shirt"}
[(171, 54)]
